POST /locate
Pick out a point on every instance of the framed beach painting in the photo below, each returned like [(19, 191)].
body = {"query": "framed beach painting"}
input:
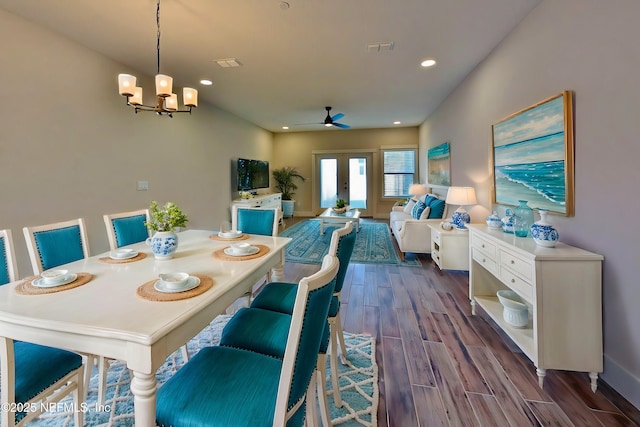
[(439, 165), (533, 156)]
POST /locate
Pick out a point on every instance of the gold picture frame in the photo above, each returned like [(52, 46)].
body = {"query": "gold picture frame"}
[(532, 156)]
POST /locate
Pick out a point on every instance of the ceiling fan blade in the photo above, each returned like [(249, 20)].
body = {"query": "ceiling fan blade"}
[(340, 125), (337, 116)]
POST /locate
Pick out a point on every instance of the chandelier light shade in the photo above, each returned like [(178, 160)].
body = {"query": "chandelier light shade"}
[(462, 196), (167, 101)]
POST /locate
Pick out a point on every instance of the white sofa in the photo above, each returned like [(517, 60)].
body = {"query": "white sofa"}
[(414, 235)]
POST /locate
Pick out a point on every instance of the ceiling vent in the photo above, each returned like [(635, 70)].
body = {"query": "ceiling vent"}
[(379, 47), (228, 63)]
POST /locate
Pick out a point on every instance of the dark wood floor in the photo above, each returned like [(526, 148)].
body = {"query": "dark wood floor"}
[(440, 366)]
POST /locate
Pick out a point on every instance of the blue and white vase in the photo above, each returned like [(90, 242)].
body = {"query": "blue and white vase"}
[(493, 221), (163, 244), (507, 221), (543, 233)]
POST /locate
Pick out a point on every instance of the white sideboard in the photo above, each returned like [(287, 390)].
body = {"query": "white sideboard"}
[(563, 290), (263, 201)]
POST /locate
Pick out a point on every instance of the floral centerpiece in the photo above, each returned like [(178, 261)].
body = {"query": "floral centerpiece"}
[(164, 220)]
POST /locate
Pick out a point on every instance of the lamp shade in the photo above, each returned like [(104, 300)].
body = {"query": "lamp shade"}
[(164, 85), (461, 196), (190, 97), (126, 84), (136, 99), (417, 190), (171, 102)]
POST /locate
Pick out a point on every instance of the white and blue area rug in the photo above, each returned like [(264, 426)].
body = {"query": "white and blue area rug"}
[(358, 384), (373, 244)]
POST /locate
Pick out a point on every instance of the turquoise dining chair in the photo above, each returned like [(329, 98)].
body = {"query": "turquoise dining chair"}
[(278, 296), (52, 245), (223, 386), (126, 228), (271, 310), (32, 373), (256, 221)]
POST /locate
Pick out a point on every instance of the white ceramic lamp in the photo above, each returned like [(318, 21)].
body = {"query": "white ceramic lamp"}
[(417, 190), (461, 196)]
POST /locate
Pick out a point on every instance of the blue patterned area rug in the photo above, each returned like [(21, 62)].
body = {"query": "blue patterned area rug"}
[(373, 244), (358, 384)]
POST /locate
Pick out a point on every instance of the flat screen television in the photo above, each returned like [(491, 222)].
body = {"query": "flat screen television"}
[(252, 174)]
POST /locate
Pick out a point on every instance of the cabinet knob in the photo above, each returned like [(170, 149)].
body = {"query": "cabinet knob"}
[(513, 280), (483, 245), (484, 260), (513, 262)]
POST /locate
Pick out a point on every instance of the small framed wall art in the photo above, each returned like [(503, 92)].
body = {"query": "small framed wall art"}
[(533, 156), (439, 165)]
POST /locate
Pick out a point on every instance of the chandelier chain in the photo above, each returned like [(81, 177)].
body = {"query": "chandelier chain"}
[(158, 33)]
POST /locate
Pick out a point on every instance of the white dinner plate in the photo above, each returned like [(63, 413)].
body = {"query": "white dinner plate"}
[(250, 251), (192, 282), (113, 255), (230, 234), (68, 278)]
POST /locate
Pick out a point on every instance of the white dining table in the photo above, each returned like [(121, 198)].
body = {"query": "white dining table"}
[(105, 317)]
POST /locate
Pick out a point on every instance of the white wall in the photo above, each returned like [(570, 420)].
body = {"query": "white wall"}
[(590, 47), (69, 147)]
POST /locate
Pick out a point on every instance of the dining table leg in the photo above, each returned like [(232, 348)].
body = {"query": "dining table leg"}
[(143, 387), (277, 271)]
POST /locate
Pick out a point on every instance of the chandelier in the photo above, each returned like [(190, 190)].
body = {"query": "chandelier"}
[(167, 102)]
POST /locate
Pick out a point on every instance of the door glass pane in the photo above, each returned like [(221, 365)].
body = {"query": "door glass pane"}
[(358, 183), (328, 182)]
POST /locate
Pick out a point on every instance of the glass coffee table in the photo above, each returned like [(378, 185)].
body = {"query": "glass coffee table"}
[(331, 217)]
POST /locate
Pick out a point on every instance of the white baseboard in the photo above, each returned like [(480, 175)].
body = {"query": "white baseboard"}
[(622, 381)]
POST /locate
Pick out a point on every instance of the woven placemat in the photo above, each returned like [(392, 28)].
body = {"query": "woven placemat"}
[(109, 260), (228, 239), (26, 287), (221, 255), (148, 292)]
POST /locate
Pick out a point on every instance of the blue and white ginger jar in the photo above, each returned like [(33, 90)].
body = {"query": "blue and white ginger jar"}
[(163, 244), (543, 233), (507, 221), (493, 221)]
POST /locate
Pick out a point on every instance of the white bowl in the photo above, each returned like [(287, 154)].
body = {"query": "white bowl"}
[(122, 253), (240, 248), (514, 310), (53, 276), (174, 280)]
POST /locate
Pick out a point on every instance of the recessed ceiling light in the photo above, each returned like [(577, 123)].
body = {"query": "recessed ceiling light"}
[(206, 82), (284, 5), (429, 62), (397, 122), (285, 127)]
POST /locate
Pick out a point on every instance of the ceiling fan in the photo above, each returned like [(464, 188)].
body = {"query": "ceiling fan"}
[(330, 120)]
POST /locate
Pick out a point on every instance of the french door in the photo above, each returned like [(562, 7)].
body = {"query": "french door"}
[(345, 176)]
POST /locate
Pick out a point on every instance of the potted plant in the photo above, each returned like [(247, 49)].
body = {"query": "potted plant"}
[(285, 183), (164, 220), (340, 207)]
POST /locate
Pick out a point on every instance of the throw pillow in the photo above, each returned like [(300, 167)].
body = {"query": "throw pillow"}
[(408, 208), (429, 198), (437, 208), (418, 209), (425, 213)]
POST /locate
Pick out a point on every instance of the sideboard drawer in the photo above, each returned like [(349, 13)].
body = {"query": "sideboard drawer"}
[(517, 284), (485, 246), (520, 266), (485, 261)]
